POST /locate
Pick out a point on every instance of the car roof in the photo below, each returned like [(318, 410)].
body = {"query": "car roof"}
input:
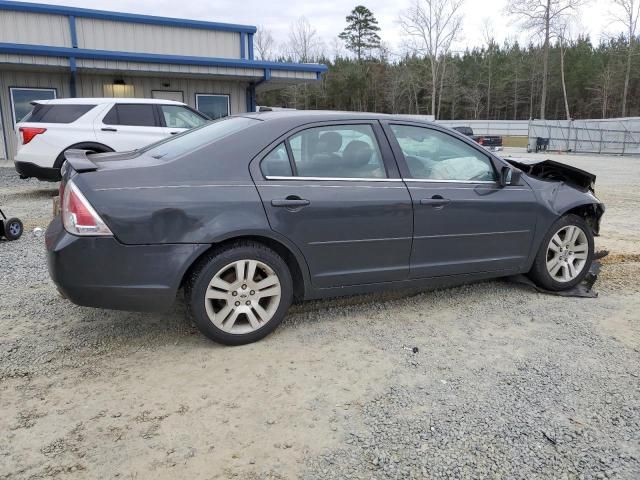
[(304, 116), (98, 101)]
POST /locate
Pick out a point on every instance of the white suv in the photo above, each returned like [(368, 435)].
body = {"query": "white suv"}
[(97, 124)]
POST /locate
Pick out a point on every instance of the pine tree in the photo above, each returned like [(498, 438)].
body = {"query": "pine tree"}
[(360, 34)]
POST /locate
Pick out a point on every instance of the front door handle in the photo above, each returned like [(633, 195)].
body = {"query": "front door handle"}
[(291, 201), (435, 201), (174, 133), (109, 129)]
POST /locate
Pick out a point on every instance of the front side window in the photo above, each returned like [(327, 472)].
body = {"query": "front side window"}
[(433, 155), (213, 106), (133, 115), (21, 99), (340, 151), (176, 116)]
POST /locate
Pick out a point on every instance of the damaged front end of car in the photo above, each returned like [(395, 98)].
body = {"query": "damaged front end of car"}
[(565, 189)]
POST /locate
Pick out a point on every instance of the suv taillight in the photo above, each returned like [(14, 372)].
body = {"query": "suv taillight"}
[(78, 216), (28, 133)]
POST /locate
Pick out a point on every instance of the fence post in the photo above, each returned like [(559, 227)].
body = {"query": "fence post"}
[(569, 136), (600, 143), (624, 143)]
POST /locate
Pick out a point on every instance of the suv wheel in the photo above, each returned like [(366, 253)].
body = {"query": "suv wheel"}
[(239, 294), (565, 254)]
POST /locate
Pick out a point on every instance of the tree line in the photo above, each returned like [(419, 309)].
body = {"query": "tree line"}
[(557, 75)]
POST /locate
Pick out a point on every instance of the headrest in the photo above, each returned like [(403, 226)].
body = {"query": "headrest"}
[(357, 153), (329, 142)]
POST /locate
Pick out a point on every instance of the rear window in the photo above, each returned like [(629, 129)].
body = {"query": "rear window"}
[(135, 115), (190, 140), (43, 113)]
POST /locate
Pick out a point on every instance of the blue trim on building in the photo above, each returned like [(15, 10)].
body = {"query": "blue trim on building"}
[(243, 42), (47, 51), (250, 37), (122, 17), (73, 31), (73, 78)]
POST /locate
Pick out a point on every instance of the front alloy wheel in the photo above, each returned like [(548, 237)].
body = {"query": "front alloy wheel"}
[(239, 293), (567, 253)]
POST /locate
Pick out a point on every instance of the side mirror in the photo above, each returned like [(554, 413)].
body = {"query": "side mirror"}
[(509, 176)]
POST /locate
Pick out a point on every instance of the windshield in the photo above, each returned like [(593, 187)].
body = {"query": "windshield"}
[(197, 137)]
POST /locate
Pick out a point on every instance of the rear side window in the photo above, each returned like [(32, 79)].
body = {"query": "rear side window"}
[(43, 113), (276, 163), (141, 115), (340, 151)]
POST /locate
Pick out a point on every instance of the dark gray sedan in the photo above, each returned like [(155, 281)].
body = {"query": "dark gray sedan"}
[(252, 212)]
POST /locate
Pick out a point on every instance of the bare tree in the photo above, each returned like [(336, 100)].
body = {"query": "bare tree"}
[(264, 43), (304, 43), (539, 17), (627, 13), (563, 35), (432, 26), (490, 40)]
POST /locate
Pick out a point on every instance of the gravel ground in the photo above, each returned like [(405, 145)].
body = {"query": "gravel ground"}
[(505, 382)]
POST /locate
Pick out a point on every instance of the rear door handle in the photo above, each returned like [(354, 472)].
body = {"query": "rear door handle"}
[(174, 133), (108, 129), (435, 201), (290, 202)]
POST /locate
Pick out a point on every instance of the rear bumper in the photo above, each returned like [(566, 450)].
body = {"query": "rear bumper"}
[(103, 273), (28, 170)]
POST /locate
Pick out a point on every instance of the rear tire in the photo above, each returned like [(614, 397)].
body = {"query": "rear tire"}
[(239, 294), (565, 254)]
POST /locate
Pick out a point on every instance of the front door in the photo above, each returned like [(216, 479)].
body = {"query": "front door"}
[(464, 222), (335, 191)]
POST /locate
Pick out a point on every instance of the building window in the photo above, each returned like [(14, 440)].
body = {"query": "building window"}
[(213, 106), (21, 99)]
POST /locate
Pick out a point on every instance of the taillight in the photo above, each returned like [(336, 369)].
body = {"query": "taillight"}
[(481, 140), (78, 216), (28, 133)]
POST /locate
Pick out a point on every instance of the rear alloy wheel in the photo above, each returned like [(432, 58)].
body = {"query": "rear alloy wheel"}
[(240, 294), (565, 255)]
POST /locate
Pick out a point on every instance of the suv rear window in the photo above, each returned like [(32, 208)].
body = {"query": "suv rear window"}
[(43, 113), (136, 115)]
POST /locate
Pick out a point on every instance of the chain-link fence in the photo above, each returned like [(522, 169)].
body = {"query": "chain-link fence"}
[(612, 136)]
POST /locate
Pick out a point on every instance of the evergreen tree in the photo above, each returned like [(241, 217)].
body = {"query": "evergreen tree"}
[(360, 34)]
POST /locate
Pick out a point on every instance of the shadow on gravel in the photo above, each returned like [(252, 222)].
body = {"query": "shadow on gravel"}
[(35, 193)]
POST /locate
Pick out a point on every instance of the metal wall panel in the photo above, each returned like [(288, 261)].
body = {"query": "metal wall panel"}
[(26, 79), (94, 86), (250, 73), (34, 60), (144, 38), (35, 29)]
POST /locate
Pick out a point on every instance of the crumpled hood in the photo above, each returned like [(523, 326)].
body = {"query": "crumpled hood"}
[(551, 170)]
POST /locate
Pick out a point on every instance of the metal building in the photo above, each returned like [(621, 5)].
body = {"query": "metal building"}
[(50, 51)]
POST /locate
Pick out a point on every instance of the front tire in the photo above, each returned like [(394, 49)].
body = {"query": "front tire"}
[(565, 254), (239, 294)]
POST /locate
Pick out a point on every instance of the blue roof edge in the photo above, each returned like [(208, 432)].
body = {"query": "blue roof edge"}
[(83, 53), (122, 17)]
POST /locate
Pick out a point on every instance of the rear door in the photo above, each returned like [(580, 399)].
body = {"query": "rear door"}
[(335, 191), (127, 126), (464, 221)]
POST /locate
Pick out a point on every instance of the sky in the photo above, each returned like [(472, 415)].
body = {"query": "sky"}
[(328, 16)]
